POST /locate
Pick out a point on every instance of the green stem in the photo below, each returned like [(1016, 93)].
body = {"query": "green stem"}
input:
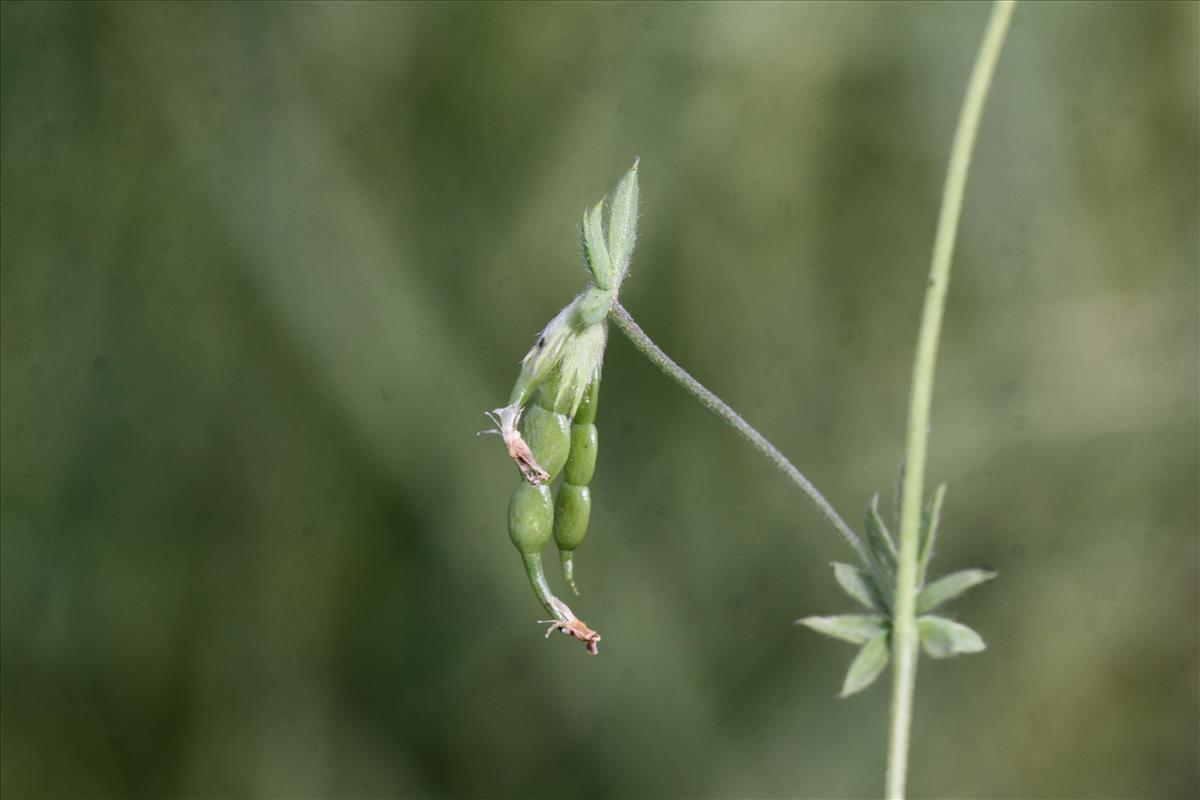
[(904, 625), (650, 350)]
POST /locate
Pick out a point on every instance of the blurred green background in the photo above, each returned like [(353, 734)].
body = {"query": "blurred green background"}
[(265, 266)]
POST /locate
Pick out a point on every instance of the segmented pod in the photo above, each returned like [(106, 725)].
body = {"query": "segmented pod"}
[(573, 506), (586, 413), (530, 520), (559, 446), (531, 509), (581, 464)]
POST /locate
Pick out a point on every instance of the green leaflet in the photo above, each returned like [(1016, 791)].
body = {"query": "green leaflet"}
[(853, 628), (882, 545), (607, 257), (867, 665), (872, 586), (857, 584), (929, 528), (950, 586), (943, 638)]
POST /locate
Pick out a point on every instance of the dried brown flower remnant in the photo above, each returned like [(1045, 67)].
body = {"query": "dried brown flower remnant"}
[(572, 626), (518, 450)]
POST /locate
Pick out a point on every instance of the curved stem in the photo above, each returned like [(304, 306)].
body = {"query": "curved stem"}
[(537, 579), (650, 350), (904, 626)]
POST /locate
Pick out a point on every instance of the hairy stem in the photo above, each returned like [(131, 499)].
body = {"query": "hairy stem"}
[(650, 350), (904, 626)]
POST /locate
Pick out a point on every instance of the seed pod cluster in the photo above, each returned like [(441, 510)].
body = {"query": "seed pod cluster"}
[(548, 426), (560, 444)]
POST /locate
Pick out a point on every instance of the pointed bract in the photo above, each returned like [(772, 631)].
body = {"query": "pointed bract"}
[(595, 249), (542, 358), (622, 223), (580, 366)]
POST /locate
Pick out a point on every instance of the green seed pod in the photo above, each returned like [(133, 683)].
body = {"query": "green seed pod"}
[(587, 407), (581, 464), (530, 525), (571, 511), (530, 517), (548, 435)]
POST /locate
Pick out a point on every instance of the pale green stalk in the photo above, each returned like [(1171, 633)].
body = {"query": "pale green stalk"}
[(904, 626), (650, 350)]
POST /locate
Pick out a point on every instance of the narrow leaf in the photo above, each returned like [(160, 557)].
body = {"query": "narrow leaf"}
[(622, 222), (881, 541), (949, 587), (867, 665), (853, 628), (929, 528), (856, 584), (597, 258), (943, 638)]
